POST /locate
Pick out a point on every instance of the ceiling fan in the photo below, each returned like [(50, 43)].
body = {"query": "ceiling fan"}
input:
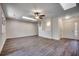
[(37, 16)]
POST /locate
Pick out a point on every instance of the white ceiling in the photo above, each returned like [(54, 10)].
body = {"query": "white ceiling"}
[(17, 10)]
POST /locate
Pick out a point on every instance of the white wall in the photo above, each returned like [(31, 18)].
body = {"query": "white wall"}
[(2, 29), (55, 29), (65, 28), (69, 28), (60, 28), (52, 32), (20, 28), (44, 30)]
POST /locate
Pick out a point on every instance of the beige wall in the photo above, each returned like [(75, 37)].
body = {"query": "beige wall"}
[(20, 28)]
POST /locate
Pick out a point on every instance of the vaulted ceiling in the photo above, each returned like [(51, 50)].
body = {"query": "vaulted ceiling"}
[(17, 10)]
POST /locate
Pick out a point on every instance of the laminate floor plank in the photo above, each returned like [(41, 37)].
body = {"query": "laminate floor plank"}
[(38, 46)]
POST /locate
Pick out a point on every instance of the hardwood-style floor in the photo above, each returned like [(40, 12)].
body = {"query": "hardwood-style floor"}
[(38, 46)]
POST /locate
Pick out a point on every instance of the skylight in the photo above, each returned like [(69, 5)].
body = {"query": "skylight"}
[(67, 6)]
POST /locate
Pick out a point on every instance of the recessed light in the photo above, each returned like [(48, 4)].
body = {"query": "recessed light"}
[(67, 17)]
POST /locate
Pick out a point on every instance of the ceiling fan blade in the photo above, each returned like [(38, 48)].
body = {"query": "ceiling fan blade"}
[(24, 17)]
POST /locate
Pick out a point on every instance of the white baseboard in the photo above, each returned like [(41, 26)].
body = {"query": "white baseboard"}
[(45, 37), (1, 47), (19, 36)]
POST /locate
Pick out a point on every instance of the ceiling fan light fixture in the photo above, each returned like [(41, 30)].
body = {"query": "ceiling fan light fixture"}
[(37, 10), (38, 14), (37, 17)]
